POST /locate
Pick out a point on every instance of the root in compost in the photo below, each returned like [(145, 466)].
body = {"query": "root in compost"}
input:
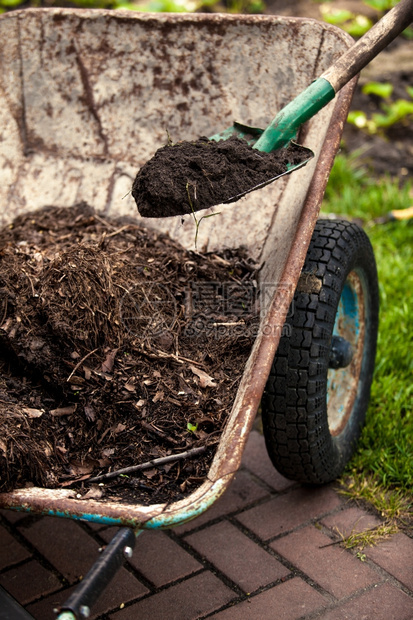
[(190, 176), (117, 348)]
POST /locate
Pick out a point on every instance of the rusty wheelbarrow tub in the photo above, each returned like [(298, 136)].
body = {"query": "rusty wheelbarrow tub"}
[(86, 98)]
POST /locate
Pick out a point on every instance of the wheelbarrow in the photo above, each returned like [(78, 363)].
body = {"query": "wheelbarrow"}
[(87, 97)]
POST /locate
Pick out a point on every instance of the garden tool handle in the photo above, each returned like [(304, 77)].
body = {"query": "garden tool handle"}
[(285, 125), (99, 576), (370, 45)]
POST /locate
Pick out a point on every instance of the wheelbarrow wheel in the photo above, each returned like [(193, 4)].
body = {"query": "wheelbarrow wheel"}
[(317, 394)]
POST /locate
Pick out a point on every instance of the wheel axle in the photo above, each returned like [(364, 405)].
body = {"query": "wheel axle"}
[(341, 353)]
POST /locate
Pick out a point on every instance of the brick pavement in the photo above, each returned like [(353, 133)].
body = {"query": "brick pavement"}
[(262, 552)]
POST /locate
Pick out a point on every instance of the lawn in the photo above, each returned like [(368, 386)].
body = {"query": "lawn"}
[(382, 468)]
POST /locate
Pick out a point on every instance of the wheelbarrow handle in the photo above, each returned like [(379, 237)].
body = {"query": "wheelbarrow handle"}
[(102, 572), (285, 125)]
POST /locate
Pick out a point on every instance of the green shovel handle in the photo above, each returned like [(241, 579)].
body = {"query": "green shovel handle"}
[(285, 125), (287, 122)]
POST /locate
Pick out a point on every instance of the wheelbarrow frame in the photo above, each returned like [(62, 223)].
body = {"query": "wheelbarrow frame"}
[(63, 502), (229, 454)]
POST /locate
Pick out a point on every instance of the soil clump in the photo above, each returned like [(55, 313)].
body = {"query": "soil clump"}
[(191, 176), (117, 347)]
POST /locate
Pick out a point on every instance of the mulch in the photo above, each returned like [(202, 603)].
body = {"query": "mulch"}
[(118, 347)]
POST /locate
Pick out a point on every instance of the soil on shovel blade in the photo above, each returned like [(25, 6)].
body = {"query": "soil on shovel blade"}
[(190, 176), (117, 347)]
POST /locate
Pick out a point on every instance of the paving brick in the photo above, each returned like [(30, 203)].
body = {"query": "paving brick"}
[(256, 459), (11, 552), (65, 545), (396, 557), (28, 582), (363, 592), (43, 610), (286, 512), (96, 527), (12, 515), (333, 568), (158, 558), (123, 588), (287, 601), (241, 492), (197, 596), (350, 520), (383, 602), (237, 556)]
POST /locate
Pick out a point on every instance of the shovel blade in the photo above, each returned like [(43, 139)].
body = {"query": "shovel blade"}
[(251, 135), (307, 155), (238, 130)]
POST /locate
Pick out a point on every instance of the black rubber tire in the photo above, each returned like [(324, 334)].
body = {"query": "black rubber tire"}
[(301, 442)]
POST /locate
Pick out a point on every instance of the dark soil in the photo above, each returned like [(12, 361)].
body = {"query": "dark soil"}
[(190, 176), (117, 347)]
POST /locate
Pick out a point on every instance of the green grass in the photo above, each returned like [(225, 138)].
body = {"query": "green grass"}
[(384, 459), (368, 538), (354, 193)]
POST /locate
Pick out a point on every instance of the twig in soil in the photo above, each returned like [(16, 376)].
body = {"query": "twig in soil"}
[(177, 358), (228, 324), (154, 462), (3, 318), (81, 362), (31, 282), (118, 231), (161, 434), (104, 222)]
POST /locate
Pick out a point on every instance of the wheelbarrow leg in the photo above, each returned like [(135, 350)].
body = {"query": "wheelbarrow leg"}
[(91, 587)]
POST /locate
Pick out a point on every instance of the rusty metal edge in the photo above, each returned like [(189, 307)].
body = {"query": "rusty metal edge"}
[(229, 454), (277, 313), (166, 18), (63, 503)]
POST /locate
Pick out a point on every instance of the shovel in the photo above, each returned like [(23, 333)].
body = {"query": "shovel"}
[(281, 131)]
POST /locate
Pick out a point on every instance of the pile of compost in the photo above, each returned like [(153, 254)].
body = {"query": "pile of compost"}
[(189, 176), (118, 347)]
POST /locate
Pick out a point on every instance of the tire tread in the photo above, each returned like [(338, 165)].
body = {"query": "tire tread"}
[(294, 406)]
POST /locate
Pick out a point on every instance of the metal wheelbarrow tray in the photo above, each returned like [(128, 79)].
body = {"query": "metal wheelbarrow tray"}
[(87, 97)]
